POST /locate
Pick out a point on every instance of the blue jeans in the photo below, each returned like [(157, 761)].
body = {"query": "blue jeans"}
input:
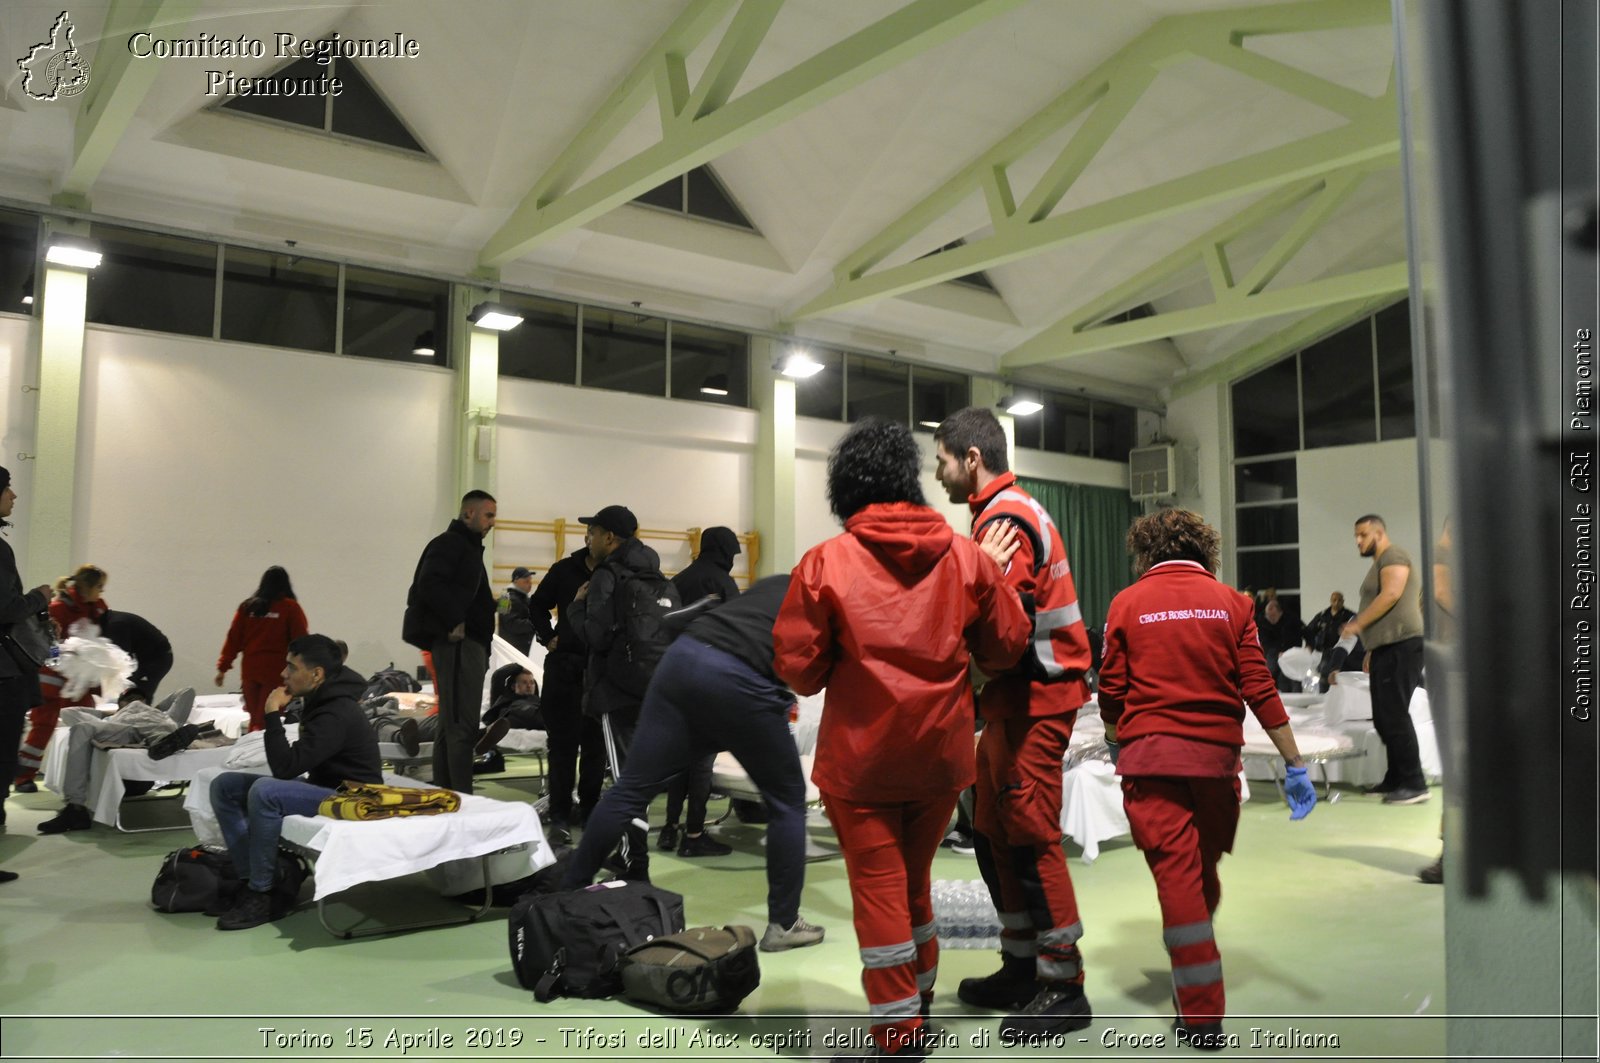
[(250, 810), (701, 701)]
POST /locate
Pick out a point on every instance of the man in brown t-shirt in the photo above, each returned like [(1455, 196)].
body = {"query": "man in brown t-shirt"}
[(1390, 623)]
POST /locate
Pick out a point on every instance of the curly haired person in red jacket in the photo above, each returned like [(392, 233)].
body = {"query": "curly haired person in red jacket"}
[(263, 626), (1028, 713), (1182, 659), (77, 601), (887, 616)]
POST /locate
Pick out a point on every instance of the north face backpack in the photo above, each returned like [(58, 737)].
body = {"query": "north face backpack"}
[(569, 943), (703, 969), (642, 604), (390, 680)]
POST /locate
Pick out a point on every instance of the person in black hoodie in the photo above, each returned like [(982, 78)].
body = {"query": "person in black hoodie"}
[(715, 689), (144, 642), (336, 744), (19, 678), (708, 576), (577, 755), (450, 613)]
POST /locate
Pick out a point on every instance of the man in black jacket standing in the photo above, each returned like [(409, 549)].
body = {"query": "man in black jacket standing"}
[(450, 613), (516, 625), (577, 747), (19, 677), (336, 743)]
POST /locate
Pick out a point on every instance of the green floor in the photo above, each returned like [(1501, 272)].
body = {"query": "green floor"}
[(1325, 933)]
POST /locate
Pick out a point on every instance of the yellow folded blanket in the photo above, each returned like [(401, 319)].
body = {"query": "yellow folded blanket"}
[(369, 800)]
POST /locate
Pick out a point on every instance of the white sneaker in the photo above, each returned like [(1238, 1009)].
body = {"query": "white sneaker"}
[(777, 939)]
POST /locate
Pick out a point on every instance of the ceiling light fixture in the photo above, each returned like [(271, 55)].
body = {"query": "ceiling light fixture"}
[(1020, 405), (715, 384), (423, 346), (799, 365), (495, 316), (73, 252)]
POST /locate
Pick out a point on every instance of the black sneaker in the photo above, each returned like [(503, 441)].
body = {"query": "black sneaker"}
[(251, 909), (1378, 788), (1058, 1007), (73, 817), (1405, 795), (1433, 874), (409, 736), (1012, 986), (491, 763), (491, 737), (1202, 1036), (669, 838), (702, 845), (29, 787), (958, 841), (9, 876)]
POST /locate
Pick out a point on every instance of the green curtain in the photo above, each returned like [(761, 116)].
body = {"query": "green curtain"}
[(1094, 523)]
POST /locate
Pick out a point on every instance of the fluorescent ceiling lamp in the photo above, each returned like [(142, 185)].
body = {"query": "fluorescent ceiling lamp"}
[(423, 347), (495, 316), (716, 384), (800, 365), (27, 300), (1020, 405), (78, 254), (930, 425)]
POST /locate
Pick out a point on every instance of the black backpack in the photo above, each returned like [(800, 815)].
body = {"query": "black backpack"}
[(390, 680), (703, 969), (643, 635), (569, 943), (198, 879)]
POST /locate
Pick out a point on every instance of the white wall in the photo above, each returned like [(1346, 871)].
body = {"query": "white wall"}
[(203, 463), (566, 452), (1337, 485)]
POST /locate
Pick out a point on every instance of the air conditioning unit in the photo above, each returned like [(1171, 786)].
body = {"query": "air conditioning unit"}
[(1153, 472)]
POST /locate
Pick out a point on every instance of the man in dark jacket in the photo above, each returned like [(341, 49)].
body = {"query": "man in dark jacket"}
[(19, 678), (577, 746), (516, 624), (450, 613), (336, 743), (144, 642), (709, 573), (707, 576)]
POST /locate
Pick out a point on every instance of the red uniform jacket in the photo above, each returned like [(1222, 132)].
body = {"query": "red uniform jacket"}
[(1181, 657), (264, 640), (886, 616), (1059, 655), (66, 609)]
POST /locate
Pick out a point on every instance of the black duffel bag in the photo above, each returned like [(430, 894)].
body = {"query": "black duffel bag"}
[(702, 969), (200, 878), (569, 943)]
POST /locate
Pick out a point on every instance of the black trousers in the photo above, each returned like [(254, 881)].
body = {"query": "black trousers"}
[(18, 694), (1396, 675), (576, 748)]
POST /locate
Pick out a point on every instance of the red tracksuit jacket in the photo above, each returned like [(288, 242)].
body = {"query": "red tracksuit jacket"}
[(886, 617), (264, 640), (1182, 656)]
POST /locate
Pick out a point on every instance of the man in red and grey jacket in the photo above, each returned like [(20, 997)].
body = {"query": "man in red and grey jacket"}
[(1028, 713), (1181, 659)]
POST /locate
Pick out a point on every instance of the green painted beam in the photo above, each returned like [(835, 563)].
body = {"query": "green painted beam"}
[(1124, 92), (1302, 333), (672, 88), (1215, 257), (732, 57), (1314, 217), (1319, 91), (1132, 291), (1363, 284), (118, 85), (697, 20), (908, 32), (1375, 137)]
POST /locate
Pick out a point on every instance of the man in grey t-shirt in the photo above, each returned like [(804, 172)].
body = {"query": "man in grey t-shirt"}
[(1390, 623)]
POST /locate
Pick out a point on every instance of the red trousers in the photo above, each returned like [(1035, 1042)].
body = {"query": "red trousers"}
[(888, 856), (42, 723), (1017, 815), (1183, 826), (255, 693)]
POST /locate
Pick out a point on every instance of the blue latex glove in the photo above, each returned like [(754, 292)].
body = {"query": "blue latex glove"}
[(1301, 794)]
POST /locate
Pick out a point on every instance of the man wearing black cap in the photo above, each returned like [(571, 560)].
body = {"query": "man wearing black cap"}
[(620, 611), (19, 677), (516, 625), (450, 613)]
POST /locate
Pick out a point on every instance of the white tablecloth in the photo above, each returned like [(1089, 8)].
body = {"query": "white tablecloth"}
[(447, 845)]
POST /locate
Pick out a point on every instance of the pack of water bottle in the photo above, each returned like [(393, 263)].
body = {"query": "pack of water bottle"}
[(965, 914)]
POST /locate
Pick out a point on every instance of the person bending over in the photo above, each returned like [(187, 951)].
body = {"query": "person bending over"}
[(336, 744)]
